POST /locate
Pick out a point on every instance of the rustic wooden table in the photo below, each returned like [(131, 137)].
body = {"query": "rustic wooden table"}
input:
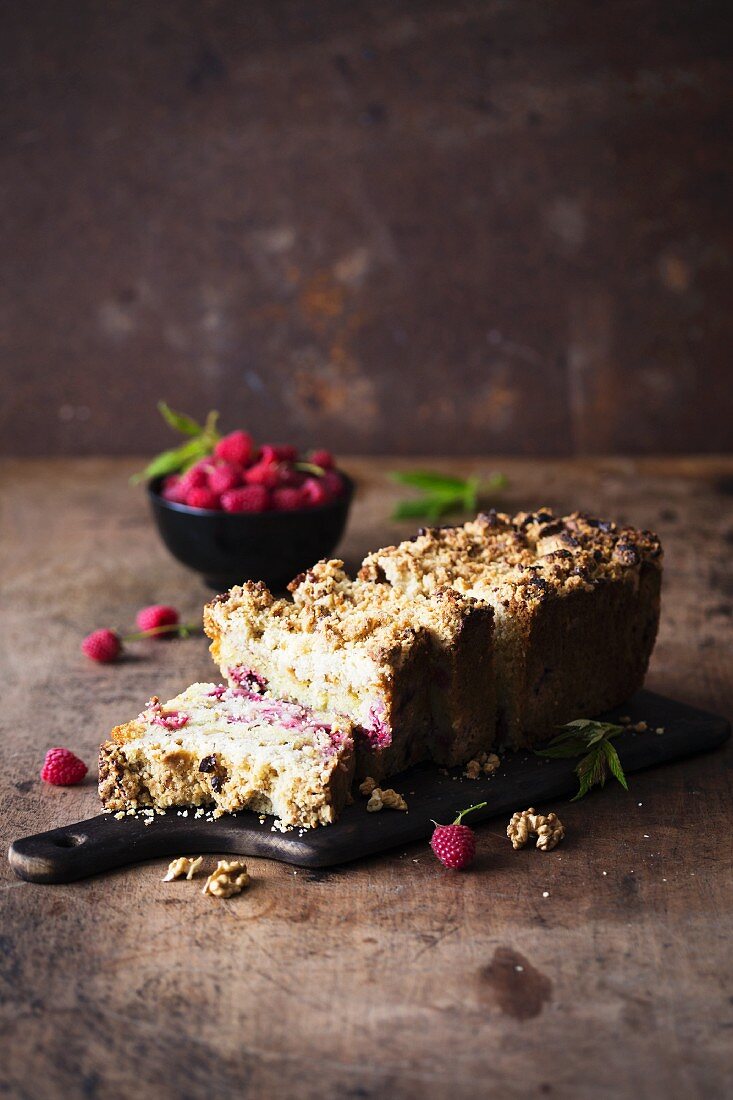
[(601, 969)]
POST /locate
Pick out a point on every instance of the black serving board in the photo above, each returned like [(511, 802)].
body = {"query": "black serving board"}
[(523, 779)]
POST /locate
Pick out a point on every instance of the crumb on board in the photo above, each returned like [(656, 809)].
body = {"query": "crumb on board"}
[(485, 763)]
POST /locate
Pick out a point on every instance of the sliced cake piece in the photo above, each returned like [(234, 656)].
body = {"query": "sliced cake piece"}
[(413, 673), (575, 601), (231, 748)]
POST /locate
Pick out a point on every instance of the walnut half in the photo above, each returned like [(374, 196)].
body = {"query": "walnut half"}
[(229, 878), (548, 829), (183, 867)]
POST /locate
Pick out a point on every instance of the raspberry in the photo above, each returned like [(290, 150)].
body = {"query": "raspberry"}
[(155, 616), (172, 490), (225, 477), (203, 498), (324, 459), (288, 476), (277, 453), (102, 645), (455, 845), (62, 768), (237, 447), (173, 720), (250, 498), (195, 478), (263, 473), (333, 482), (287, 499), (315, 492)]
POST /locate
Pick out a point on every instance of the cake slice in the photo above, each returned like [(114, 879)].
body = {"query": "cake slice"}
[(231, 748), (412, 673), (575, 602)]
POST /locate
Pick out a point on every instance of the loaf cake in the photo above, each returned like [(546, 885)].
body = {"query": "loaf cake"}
[(412, 672), (232, 748), (575, 602)]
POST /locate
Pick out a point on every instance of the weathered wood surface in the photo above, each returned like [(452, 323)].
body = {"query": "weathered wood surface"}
[(393, 976)]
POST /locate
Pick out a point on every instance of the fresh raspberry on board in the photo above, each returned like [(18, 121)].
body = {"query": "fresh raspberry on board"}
[(250, 498), (324, 459), (203, 498), (62, 768), (102, 645), (237, 447), (455, 845), (225, 477), (157, 616), (287, 499), (315, 492)]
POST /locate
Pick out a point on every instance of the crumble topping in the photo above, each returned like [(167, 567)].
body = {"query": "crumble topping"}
[(229, 878), (513, 561), (367, 786), (344, 612), (389, 800), (548, 829), (183, 867)]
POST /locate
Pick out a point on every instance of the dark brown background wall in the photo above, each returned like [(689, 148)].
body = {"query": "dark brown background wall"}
[(407, 226)]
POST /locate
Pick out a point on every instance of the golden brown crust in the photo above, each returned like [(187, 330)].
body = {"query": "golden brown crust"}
[(520, 560)]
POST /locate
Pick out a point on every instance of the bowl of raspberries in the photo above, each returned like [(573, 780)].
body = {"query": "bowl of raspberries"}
[(235, 511)]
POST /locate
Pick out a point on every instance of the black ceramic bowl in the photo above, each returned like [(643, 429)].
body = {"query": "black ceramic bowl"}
[(229, 548)]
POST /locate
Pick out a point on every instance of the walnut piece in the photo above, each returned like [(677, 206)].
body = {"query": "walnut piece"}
[(229, 878), (485, 763), (183, 867), (548, 829), (367, 786), (388, 799)]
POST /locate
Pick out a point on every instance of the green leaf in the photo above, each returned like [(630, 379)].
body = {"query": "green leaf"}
[(564, 749), (210, 429), (179, 421), (592, 770), (430, 482), (429, 507), (170, 462), (309, 468), (614, 763)]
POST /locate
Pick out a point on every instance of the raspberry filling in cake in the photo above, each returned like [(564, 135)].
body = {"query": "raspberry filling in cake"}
[(233, 748)]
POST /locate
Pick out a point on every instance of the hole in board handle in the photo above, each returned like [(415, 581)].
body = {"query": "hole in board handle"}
[(69, 840)]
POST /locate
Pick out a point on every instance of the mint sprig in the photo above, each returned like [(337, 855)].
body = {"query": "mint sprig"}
[(441, 494), (201, 442), (591, 741)]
